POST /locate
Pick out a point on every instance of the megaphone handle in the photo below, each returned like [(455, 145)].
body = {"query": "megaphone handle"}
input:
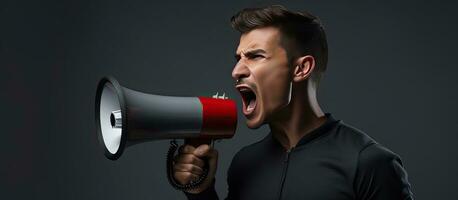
[(196, 142), (170, 162)]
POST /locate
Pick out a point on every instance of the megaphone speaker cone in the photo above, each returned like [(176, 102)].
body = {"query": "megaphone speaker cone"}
[(110, 108)]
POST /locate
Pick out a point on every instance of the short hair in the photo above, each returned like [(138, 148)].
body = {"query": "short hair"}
[(302, 33)]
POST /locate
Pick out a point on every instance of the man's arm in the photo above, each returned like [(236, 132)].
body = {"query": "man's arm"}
[(380, 175), (208, 194)]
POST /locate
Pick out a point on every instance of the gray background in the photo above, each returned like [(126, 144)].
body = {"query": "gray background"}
[(392, 74)]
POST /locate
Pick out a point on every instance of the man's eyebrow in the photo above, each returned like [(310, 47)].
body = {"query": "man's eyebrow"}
[(250, 53), (254, 51)]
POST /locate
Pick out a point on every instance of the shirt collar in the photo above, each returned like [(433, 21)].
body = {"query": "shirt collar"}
[(315, 133)]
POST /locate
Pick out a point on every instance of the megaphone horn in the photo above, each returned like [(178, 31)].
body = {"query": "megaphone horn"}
[(125, 117)]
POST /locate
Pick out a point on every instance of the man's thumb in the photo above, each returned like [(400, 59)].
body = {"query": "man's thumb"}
[(206, 151)]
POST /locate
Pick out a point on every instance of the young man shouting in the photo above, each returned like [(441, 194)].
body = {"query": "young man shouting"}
[(307, 154)]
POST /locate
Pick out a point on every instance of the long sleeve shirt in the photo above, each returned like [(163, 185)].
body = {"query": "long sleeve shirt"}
[(333, 162)]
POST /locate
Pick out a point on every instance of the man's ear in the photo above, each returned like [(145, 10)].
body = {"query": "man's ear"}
[(304, 68)]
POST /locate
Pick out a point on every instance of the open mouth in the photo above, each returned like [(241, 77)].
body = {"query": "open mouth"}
[(248, 99)]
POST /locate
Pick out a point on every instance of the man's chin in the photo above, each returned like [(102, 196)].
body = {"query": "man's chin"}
[(254, 123)]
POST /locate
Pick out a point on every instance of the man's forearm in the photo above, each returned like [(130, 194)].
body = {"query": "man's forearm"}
[(208, 194)]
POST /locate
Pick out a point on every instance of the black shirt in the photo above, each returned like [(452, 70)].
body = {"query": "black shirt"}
[(333, 162)]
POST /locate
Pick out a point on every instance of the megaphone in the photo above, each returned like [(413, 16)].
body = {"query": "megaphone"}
[(125, 117)]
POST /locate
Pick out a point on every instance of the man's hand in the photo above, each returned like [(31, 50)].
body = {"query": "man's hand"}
[(189, 164)]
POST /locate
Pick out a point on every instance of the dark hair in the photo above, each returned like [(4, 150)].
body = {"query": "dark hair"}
[(302, 33)]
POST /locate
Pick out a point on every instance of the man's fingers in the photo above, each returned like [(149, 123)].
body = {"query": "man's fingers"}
[(185, 177), (209, 153), (205, 151), (188, 168), (190, 162), (202, 150), (186, 149), (189, 159)]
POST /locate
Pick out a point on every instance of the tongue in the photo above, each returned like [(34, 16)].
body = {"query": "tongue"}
[(251, 105)]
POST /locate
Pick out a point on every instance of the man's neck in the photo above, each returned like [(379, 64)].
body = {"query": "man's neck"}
[(302, 115)]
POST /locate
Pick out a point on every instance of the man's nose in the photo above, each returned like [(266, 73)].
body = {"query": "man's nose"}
[(240, 71)]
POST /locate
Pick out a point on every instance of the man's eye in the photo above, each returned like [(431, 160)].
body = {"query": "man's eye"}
[(257, 56)]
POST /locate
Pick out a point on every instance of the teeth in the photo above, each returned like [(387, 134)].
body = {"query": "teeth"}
[(244, 89), (250, 108), (251, 105), (220, 97)]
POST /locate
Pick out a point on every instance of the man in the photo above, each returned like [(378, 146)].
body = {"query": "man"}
[(308, 154)]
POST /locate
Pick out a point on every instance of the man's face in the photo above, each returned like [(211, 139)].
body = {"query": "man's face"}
[(264, 75)]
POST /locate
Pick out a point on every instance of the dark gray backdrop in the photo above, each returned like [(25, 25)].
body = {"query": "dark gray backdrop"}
[(392, 74)]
